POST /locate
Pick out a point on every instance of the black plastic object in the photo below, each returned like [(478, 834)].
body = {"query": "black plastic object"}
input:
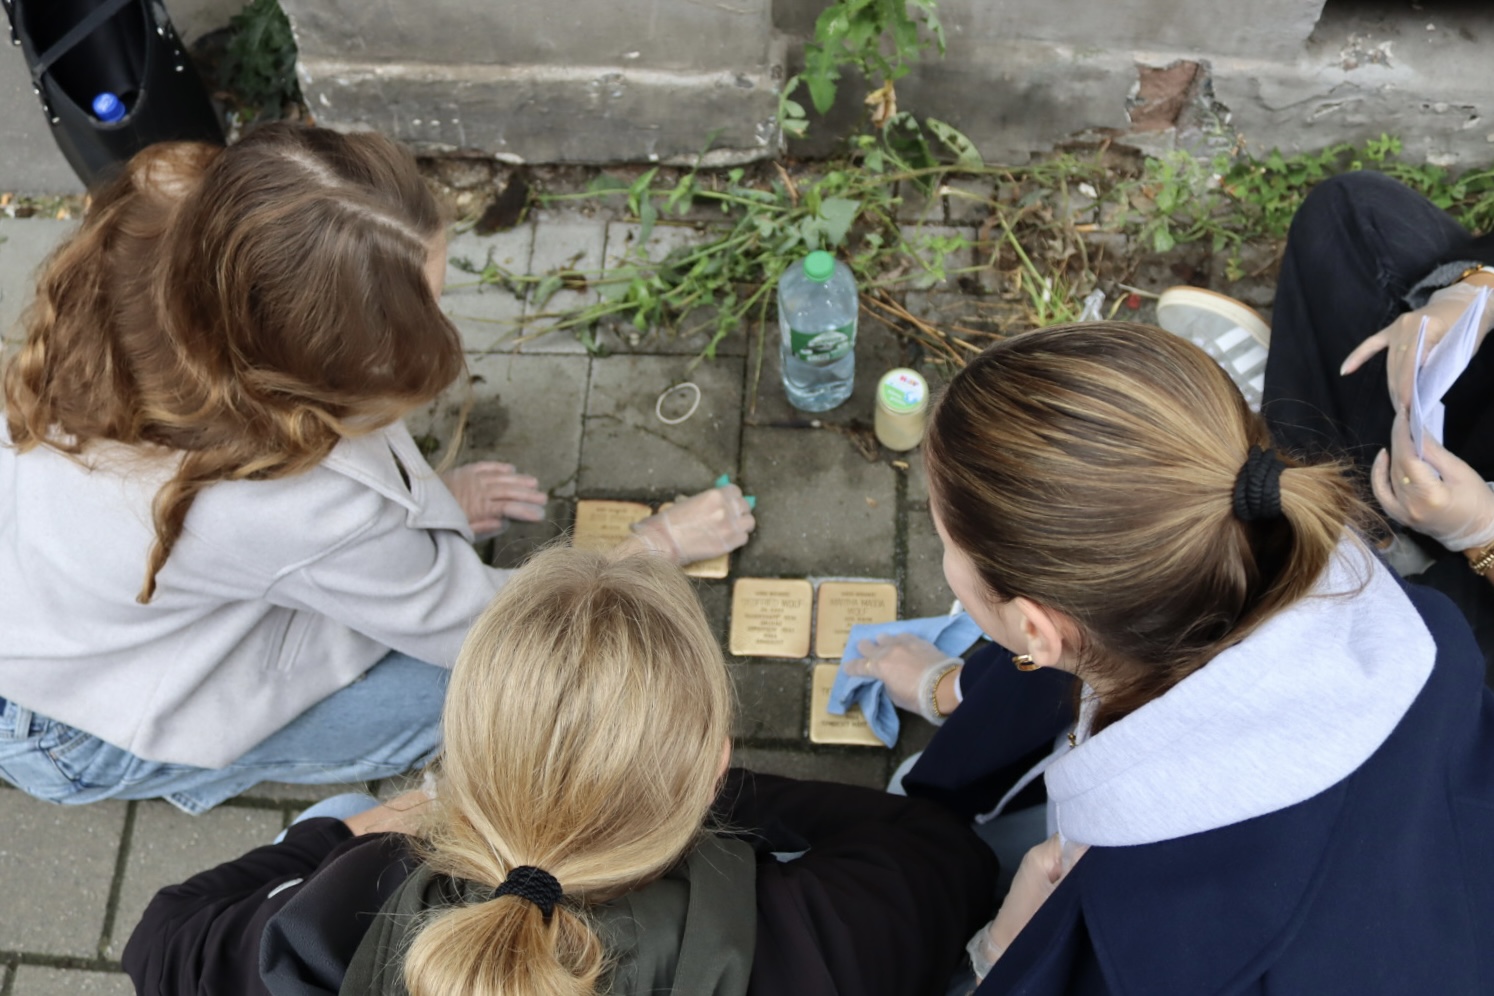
[(78, 49)]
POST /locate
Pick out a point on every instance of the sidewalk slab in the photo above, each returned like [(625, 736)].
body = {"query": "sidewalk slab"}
[(925, 593), (878, 350), (168, 847), (59, 861), (36, 980), (487, 314), (24, 243), (570, 242), (771, 699), (627, 450), (825, 511)]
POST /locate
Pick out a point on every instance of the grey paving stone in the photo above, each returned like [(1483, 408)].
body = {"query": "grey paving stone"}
[(562, 241), (967, 199), (878, 350), (715, 599), (926, 592), (36, 980), (866, 766), (918, 207), (526, 410), (297, 797), (939, 256), (168, 846), (824, 510), (487, 314), (628, 450), (58, 863), (918, 479), (521, 540), (771, 699), (24, 243)]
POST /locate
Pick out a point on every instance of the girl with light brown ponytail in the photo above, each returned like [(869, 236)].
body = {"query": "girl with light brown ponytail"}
[(224, 558), (1268, 763), (586, 838)]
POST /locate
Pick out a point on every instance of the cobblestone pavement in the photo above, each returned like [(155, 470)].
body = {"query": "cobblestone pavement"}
[(78, 878)]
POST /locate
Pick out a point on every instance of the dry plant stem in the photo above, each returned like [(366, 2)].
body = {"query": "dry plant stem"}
[(929, 335)]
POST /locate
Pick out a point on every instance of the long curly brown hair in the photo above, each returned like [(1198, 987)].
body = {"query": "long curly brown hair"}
[(238, 310)]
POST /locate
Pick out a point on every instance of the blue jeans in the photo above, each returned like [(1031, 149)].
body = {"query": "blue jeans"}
[(383, 724)]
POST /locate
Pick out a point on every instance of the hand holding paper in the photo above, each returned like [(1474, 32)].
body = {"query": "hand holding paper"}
[(1436, 494), (1439, 366), (1399, 338)]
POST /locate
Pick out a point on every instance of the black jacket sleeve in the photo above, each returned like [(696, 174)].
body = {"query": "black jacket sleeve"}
[(203, 936), (880, 904)]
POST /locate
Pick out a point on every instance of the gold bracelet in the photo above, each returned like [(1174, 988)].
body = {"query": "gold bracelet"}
[(1475, 268), (934, 690), (1484, 560)]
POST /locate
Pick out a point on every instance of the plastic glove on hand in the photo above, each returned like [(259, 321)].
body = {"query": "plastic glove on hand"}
[(1398, 338), (902, 662), (1456, 511), (699, 527), (1042, 868), (491, 493)]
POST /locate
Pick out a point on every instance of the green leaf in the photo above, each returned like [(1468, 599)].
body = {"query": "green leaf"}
[(822, 91), (839, 213), (1162, 239), (546, 289), (965, 152), (647, 216)]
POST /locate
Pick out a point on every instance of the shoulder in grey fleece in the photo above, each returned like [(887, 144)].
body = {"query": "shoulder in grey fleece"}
[(1283, 715)]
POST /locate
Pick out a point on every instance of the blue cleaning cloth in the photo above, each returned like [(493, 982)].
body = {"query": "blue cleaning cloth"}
[(951, 634)]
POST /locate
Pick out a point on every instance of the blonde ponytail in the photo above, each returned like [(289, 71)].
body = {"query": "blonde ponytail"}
[(584, 726), (1093, 469)]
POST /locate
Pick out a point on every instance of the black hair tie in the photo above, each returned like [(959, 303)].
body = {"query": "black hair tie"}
[(1258, 487), (534, 884)]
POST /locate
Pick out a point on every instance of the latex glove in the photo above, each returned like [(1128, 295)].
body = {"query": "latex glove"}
[(491, 493), (1456, 511), (1042, 868), (1442, 311), (699, 527), (906, 664)]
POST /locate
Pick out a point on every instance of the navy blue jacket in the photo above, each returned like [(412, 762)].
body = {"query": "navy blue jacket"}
[(1384, 883)]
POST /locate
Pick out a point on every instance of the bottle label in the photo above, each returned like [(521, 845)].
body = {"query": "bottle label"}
[(903, 392), (822, 348)]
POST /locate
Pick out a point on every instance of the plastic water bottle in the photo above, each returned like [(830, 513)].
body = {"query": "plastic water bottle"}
[(817, 318), (108, 108)]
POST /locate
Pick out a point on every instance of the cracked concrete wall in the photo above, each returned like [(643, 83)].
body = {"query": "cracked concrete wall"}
[(547, 81), (1022, 76)]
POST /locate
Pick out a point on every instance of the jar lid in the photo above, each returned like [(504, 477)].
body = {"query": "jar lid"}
[(902, 391)]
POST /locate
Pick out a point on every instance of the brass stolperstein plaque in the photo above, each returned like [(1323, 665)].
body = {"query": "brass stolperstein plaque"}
[(770, 617), (843, 604), (601, 525), (825, 728)]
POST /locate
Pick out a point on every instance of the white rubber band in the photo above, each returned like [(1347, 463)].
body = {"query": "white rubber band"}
[(688, 385)]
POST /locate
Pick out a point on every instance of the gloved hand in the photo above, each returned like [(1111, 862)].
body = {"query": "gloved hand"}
[(907, 665), (699, 527), (1042, 868), (1456, 511), (492, 493), (1442, 311)]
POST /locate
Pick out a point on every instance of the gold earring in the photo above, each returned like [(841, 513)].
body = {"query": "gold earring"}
[(1024, 662)]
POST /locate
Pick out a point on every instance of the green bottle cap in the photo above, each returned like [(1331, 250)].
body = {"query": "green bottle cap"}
[(819, 265)]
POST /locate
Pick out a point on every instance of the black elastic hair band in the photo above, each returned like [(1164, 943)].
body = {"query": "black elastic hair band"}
[(534, 884), (1258, 487)]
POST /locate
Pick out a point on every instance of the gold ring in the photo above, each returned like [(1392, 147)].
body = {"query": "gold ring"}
[(1406, 479)]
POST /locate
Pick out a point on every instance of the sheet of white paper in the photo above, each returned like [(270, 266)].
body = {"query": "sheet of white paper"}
[(1442, 367)]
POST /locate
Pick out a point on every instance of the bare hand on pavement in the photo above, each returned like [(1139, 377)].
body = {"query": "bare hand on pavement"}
[(492, 493)]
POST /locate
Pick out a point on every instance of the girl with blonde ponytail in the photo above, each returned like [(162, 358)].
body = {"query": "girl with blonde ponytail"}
[(1266, 760), (586, 837)]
